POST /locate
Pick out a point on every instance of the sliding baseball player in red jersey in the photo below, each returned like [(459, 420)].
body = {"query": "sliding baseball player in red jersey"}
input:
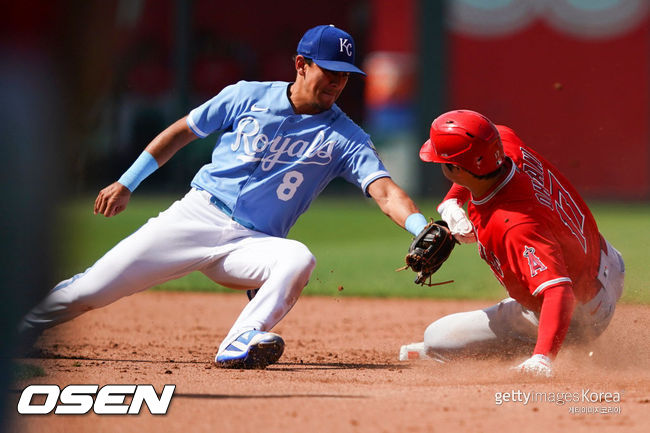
[(539, 238)]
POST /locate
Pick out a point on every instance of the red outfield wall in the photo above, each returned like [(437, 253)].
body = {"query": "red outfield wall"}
[(572, 77), (581, 99)]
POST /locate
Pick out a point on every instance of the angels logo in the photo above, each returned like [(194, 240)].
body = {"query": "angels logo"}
[(535, 264)]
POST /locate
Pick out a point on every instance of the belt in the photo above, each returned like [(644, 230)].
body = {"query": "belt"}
[(225, 209)]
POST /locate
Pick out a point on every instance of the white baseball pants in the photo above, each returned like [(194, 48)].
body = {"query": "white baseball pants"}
[(508, 328), (191, 235)]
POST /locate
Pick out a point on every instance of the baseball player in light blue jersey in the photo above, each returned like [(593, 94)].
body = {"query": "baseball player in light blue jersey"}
[(280, 145)]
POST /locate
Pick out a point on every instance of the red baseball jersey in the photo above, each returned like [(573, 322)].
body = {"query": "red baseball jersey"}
[(534, 229)]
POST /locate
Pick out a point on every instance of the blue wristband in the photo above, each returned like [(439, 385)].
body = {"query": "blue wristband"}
[(415, 223), (141, 168)]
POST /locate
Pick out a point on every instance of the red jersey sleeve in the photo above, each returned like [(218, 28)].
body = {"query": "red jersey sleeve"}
[(554, 319), (458, 192), (535, 257)]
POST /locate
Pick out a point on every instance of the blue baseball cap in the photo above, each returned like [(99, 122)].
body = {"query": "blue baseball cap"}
[(330, 48)]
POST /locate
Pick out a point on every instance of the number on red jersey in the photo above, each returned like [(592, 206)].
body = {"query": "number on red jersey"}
[(550, 192)]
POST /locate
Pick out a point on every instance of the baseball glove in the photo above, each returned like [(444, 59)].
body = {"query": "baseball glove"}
[(429, 250)]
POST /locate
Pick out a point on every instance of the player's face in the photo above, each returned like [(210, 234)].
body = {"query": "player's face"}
[(447, 170), (454, 173), (323, 86)]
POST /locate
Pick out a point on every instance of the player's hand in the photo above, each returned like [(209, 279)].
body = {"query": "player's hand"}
[(459, 225), (536, 365), (112, 200)]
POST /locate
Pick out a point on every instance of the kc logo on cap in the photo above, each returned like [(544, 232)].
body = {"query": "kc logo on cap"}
[(347, 46), (330, 48)]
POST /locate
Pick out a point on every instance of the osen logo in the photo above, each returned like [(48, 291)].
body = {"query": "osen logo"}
[(107, 400)]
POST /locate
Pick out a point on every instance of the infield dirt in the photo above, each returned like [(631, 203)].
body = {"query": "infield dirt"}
[(339, 372)]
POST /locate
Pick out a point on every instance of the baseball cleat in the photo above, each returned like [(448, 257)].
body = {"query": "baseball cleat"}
[(412, 351), (251, 350)]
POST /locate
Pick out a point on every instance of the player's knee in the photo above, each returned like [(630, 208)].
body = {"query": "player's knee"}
[(442, 335), (434, 336), (300, 259)]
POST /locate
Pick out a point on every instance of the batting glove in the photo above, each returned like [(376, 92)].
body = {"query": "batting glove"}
[(536, 365), (458, 223)]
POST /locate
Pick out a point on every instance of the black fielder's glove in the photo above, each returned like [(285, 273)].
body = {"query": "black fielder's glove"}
[(429, 250)]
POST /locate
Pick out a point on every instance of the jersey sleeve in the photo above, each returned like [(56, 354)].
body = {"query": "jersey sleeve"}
[(535, 256), (362, 165), (217, 113), (554, 319), (460, 193), (512, 144)]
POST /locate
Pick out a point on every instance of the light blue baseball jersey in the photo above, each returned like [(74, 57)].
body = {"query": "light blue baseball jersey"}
[(270, 163)]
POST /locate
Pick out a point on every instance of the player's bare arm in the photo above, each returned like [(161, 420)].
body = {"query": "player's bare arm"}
[(114, 198), (170, 141), (392, 200)]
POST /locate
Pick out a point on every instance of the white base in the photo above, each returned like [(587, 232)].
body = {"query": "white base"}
[(412, 351)]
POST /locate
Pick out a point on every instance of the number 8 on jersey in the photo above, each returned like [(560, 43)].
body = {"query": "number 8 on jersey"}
[(290, 183)]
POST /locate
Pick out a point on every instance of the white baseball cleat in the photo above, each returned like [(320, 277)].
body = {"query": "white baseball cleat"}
[(412, 351)]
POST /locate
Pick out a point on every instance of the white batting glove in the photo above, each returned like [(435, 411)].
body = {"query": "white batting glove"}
[(455, 217), (536, 365)]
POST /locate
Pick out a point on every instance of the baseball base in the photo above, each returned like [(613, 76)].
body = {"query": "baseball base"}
[(412, 351)]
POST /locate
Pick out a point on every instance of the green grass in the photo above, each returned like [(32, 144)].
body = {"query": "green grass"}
[(21, 372), (357, 247)]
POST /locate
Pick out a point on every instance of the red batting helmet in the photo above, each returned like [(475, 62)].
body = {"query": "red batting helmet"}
[(464, 138)]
